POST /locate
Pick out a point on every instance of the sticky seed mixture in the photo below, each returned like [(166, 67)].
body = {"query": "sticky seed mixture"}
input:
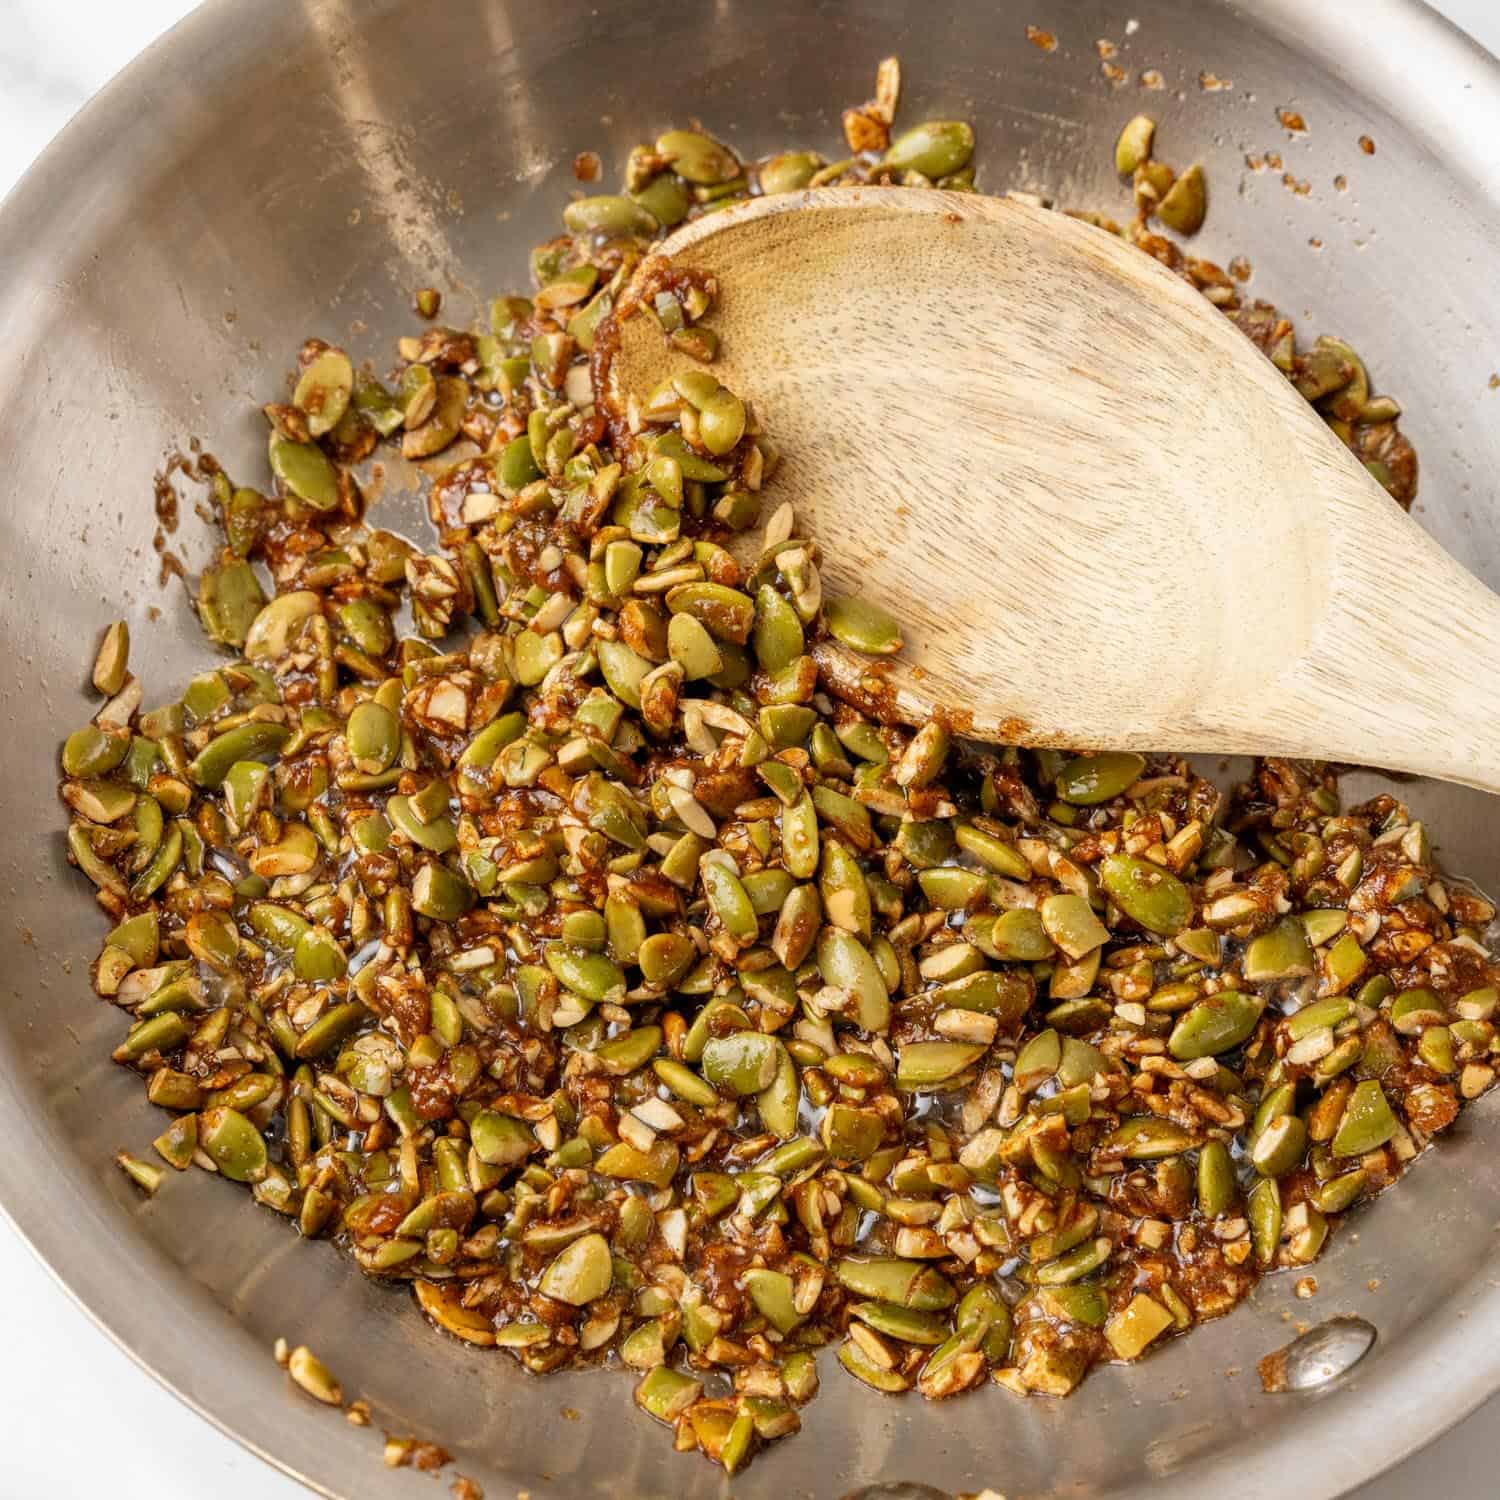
[(572, 958)]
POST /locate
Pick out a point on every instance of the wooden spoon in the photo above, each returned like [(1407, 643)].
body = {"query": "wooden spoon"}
[(1102, 516)]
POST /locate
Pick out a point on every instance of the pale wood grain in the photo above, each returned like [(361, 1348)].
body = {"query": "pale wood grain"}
[(1102, 516)]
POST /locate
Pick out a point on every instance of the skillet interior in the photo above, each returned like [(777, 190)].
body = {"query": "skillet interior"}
[(261, 175)]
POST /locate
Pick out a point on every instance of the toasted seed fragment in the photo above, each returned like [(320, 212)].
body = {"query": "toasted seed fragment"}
[(146, 1177), (313, 1376), (111, 663), (1134, 144), (1186, 202), (1140, 1321), (581, 1273)]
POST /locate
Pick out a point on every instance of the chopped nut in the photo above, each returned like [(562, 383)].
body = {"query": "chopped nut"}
[(312, 1375)]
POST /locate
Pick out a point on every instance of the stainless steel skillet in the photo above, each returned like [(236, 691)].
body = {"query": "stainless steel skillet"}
[(299, 165)]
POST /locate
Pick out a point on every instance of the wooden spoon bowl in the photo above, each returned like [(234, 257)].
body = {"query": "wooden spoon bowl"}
[(1103, 518)]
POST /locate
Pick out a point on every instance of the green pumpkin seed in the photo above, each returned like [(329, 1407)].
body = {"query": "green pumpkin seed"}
[(233, 1144), (1088, 780), (862, 626), (1019, 936), (1038, 1060), (1134, 144), (1367, 1123), (92, 751), (581, 1273), (1324, 924), (450, 401), (851, 1133), (1435, 1048), (846, 964), (1411, 1011), (694, 468), (374, 736), (665, 957), (500, 1140), (630, 1051), (768, 890), (993, 852), (1330, 1012), (609, 214), (789, 172), (904, 1323), (665, 198), (922, 761), (317, 957), (771, 1292), (591, 975), (1202, 944), (697, 158), (159, 1033), (1148, 1138), (230, 599), (1146, 893), (1076, 1264), (440, 895), (922, 1065), (846, 815), (1070, 923), (797, 926), (1279, 1147), (305, 471), (845, 893), (623, 670), (324, 390), (1282, 953), (685, 1083), (99, 801), (1339, 1193), (1085, 1305), (728, 901), (334, 1026), (376, 405), (657, 1166), (906, 1283), (568, 289), (1343, 963), (1216, 1185), (777, 637), (693, 648), (864, 1369), (138, 936), (745, 1062), (1004, 994), (1186, 202), (934, 148), (780, 1101), (1264, 1213), (438, 836), (246, 741), (1217, 1024), (721, 423), (271, 633), (666, 1393)]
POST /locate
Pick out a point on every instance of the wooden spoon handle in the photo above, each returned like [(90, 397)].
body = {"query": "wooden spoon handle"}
[(1401, 671)]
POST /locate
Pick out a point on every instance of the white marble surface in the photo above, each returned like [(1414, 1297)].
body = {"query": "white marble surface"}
[(58, 1370)]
